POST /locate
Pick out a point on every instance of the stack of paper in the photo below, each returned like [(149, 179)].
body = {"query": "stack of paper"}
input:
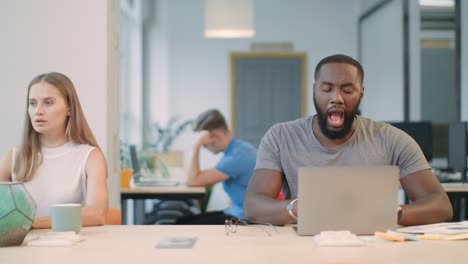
[(445, 231)]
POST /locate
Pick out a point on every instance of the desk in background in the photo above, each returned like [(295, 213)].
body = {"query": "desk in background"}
[(458, 195), (136, 244), (180, 192)]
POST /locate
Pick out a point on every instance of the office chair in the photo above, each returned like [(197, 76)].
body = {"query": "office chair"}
[(114, 216)]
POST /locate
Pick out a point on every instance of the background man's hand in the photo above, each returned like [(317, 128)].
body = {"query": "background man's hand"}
[(204, 138)]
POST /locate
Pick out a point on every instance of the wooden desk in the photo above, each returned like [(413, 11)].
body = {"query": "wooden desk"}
[(455, 187), (458, 195), (180, 192), (136, 244)]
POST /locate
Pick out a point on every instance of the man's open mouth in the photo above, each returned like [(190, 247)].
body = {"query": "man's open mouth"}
[(336, 118)]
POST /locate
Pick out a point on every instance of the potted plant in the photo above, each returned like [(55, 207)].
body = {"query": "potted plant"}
[(164, 137)]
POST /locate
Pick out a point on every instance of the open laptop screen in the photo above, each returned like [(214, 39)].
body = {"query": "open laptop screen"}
[(359, 199), (134, 160)]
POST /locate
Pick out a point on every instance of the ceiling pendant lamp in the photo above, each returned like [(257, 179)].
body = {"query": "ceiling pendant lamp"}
[(229, 19)]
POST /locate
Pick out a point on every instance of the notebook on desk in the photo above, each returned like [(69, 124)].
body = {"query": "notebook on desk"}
[(359, 199), (139, 180)]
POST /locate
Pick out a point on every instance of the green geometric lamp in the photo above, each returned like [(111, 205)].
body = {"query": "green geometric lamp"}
[(17, 209)]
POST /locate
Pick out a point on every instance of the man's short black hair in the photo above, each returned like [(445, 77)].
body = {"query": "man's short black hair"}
[(340, 58), (209, 120)]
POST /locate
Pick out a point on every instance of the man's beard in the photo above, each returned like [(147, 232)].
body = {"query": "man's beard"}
[(322, 118)]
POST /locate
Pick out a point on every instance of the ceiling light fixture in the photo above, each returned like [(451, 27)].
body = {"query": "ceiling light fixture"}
[(229, 19), (437, 3)]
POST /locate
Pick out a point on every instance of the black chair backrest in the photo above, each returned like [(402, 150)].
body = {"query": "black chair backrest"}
[(457, 146), (421, 132)]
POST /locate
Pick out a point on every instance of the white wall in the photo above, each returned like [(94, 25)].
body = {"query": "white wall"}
[(464, 59), (386, 44), (157, 55), (368, 4), (415, 104), (78, 38), (131, 54), (382, 59), (196, 72)]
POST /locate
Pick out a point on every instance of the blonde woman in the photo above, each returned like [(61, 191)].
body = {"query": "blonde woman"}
[(59, 160)]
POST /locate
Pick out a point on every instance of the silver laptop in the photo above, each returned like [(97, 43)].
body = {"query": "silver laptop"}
[(359, 199)]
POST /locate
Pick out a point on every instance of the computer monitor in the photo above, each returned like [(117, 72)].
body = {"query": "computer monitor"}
[(421, 132), (457, 146), (134, 160)]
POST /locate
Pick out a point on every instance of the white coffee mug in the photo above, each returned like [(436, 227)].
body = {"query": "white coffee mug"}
[(66, 217)]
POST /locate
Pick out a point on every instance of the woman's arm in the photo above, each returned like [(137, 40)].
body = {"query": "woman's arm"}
[(95, 212), (5, 167)]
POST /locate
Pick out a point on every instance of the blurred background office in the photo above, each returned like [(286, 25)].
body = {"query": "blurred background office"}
[(411, 51)]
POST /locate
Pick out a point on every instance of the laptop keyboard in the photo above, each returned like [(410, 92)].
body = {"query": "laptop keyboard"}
[(155, 183)]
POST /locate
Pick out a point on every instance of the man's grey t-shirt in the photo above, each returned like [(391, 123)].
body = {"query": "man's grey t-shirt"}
[(288, 146)]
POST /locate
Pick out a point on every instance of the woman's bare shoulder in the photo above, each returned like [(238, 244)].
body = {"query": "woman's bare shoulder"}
[(5, 166)]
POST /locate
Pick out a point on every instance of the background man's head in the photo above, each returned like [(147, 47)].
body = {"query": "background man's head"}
[(210, 120), (338, 90), (213, 122)]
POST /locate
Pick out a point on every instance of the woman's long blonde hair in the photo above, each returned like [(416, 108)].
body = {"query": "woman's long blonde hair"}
[(77, 129)]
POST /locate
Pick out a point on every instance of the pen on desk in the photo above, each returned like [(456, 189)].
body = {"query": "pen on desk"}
[(405, 235), (388, 236)]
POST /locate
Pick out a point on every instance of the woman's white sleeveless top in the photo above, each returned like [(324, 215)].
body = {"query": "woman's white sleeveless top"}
[(60, 178)]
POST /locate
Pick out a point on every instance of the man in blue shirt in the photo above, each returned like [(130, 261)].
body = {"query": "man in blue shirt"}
[(234, 169)]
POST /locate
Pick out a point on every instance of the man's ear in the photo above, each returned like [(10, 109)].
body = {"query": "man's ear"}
[(362, 92)]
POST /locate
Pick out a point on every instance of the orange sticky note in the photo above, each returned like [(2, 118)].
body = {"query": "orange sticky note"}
[(389, 237), (429, 237)]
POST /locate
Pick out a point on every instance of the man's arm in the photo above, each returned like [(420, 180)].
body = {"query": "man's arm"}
[(197, 177), (430, 202), (206, 177), (260, 202)]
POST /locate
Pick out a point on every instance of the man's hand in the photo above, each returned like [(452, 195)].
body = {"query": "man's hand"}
[(204, 138), (260, 202)]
